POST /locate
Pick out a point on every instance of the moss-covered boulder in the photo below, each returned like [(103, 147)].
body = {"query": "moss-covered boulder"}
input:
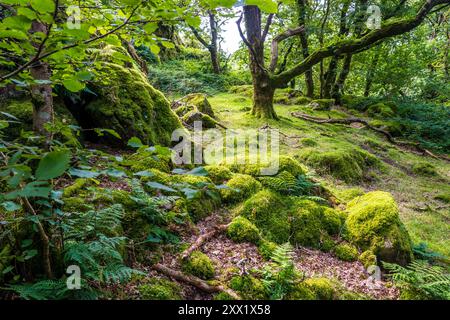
[(242, 230), (240, 187), (199, 265), (323, 288), (322, 104), (349, 164), (126, 102), (249, 287), (346, 252), (198, 100), (373, 223), (219, 174), (368, 258), (268, 211), (159, 289)]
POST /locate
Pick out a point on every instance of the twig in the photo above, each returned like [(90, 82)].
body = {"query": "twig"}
[(202, 239)]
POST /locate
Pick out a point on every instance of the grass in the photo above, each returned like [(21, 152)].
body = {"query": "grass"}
[(426, 218)]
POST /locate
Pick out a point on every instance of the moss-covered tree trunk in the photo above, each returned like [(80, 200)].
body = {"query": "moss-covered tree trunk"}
[(309, 80), (41, 93)]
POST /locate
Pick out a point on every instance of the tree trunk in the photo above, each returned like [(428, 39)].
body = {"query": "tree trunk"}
[(41, 94), (371, 72), (309, 80), (338, 88), (214, 47), (263, 91)]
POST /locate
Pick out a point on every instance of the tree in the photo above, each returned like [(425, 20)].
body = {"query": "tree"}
[(265, 82)]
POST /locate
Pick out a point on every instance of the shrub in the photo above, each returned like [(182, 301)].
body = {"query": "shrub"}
[(241, 230), (199, 265)]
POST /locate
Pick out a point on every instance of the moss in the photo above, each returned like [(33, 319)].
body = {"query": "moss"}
[(327, 244), (200, 101), (368, 258), (240, 187), (409, 293), (424, 169), (349, 194), (219, 174), (393, 127), (308, 142), (128, 104), (347, 164), (306, 223), (199, 265), (346, 252), (195, 116), (444, 197), (245, 90), (332, 221), (223, 296), (266, 248), (291, 165), (76, 204), (160, 289), (249, 287), (374, 223), (76, 187), (242, 230), (322, 104), (143, 161), (284, 163), (323, 288), (301, 291), (268, 211), (380, 110)]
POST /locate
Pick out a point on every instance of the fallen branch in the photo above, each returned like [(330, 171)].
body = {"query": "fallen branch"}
[(349, 121), (194, 281), (202, 239)]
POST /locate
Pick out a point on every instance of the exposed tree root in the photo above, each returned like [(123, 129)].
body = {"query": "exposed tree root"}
[(388, 136), (194, 281), (202, 239)]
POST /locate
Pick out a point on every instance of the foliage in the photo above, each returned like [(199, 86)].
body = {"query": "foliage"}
[(431, 281)]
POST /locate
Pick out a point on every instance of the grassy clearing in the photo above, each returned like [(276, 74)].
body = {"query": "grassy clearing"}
[(426, 217)]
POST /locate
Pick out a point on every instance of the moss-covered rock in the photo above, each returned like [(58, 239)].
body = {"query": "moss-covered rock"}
[(245, 90), (283, 163), (368, 258), (346, 252), (249, 287), (380, 110), (268, 211), (322, 104), (373, 223), (143, 161), (219, 174), (199, 100), (127, 103), (199, 265), (301, 291), (424, 169), (242, 230), (306, 221), (347, 164), (323, 288), (159, 289), (240, 187)]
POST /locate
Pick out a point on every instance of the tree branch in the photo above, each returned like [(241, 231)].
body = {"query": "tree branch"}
[(267, 27), (247, 43), (276, 41)]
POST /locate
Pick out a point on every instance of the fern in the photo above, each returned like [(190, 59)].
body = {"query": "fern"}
[(280, 276), (286, 183), (432, 281)]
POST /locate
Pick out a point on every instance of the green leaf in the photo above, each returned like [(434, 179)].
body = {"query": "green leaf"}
[(135, 142), (159, 186), (11, 206), (43, 6), (145, 173), (268, 6), (30, 14), (83, 173), (53, 165), (36, 189), (199, 171), (73, 85)]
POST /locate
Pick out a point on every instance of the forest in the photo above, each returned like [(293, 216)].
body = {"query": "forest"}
[(224, 150)]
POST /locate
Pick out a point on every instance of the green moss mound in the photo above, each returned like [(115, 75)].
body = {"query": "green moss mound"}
[(219, 174), (160, 289), (240, 187), (199, 265), (301, 291), (323, 288), (242, 230), (249, 287), (424, 169), (346, 252), (127, 103), (283, 163), (394, 128), (380, 110), (368, 258), (346, 163), (322, 104), (267, 210), (200, 101), (373, 223)]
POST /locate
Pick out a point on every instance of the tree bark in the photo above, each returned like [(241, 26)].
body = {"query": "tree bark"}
[(214, 48), (309, 80), (263, 91), (41, 93), (371, 72)]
